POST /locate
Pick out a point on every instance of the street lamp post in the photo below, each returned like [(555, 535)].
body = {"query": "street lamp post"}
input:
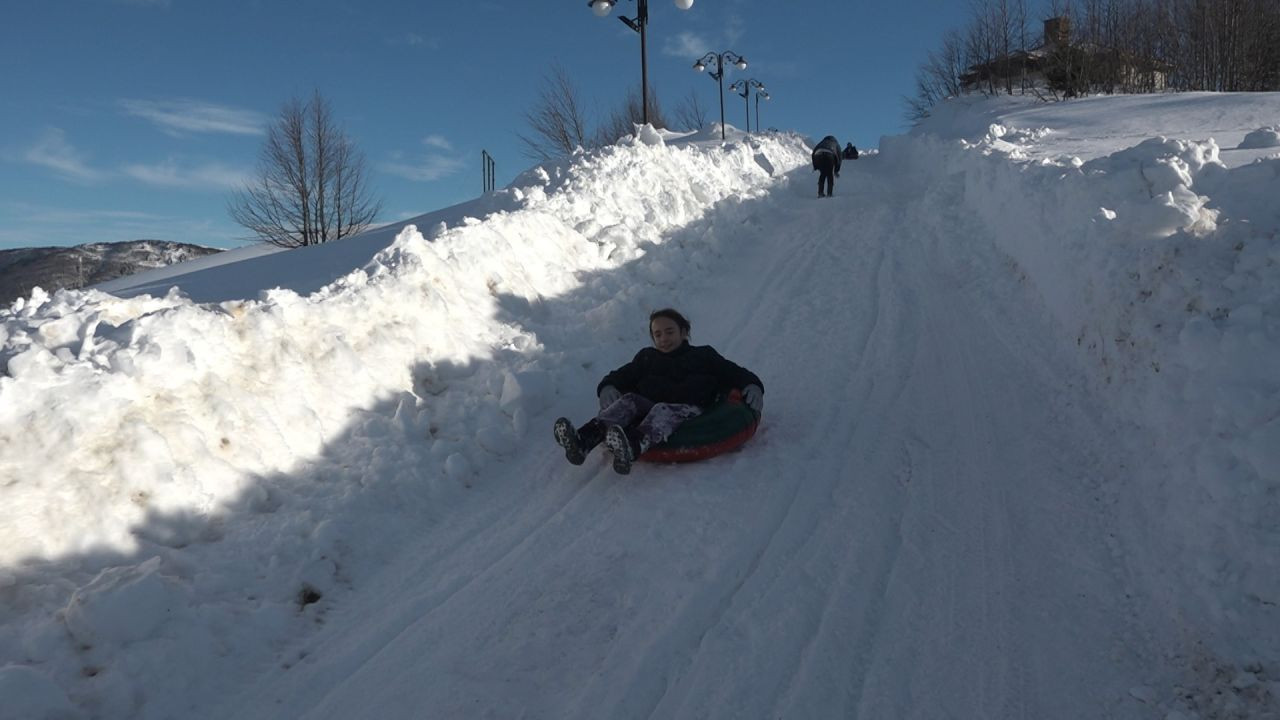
[(718, 75), (743, 88), (759, 93), (602, 7)]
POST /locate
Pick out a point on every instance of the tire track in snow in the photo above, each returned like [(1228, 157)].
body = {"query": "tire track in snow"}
[(669, 655), (450, 560), (813, 480), (933, 596), (513, 541), (942, 370), (977, 621), (878, 540), (516, 542), (874, 567)]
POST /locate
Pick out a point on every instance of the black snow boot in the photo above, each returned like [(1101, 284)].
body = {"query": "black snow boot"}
[(624, 446), (577, 443), (567, 438)]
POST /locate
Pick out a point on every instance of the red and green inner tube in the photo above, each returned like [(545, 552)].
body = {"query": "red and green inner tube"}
[(724, 426)]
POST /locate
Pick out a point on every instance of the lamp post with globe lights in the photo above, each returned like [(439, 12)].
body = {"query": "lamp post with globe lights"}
[(744, 88), (760, 93), (718, 75), (602, 7)]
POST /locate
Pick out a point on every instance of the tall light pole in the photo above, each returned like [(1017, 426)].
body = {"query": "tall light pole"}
[(602, 7), (718, 75), (760, 93), (743, 88)]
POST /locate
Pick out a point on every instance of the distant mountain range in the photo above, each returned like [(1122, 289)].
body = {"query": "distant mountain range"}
[(54, 268)]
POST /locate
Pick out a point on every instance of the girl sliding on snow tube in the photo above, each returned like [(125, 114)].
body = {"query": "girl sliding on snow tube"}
[(643, 402)]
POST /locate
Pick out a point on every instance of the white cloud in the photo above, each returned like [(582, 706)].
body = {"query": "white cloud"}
[(44, 214), (735, 28), (184, 115), (40, 225), (430, 168), (437, 141), (170, 174), (54, 152), (687, 45), (415, 40)]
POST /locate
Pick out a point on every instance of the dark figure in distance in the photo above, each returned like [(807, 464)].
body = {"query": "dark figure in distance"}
[(826, 160), (850, 152)]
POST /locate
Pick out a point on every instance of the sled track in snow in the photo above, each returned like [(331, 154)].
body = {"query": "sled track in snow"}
[(868, 554)]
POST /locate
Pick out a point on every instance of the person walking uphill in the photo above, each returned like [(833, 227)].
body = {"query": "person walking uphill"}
[(644, 401), (826, 160)]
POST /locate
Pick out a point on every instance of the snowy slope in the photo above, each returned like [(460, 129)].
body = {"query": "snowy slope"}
[(969, 498), (1161, 262)]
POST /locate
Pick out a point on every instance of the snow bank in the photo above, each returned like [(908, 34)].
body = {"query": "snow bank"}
[(1267, 137), (1162, 265), (211, 396), (131, 428)]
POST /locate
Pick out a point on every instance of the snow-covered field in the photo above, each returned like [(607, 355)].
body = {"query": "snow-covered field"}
[(1020, 456)]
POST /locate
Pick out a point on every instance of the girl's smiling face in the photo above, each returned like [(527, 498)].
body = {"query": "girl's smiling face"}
[(667, 335)]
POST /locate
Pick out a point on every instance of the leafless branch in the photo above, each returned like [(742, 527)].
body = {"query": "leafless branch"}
[(311, 186)]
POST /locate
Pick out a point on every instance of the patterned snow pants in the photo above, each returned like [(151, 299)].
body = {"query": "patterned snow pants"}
[(656, 420)]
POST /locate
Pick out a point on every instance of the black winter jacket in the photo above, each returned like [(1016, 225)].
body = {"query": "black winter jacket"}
[(828, 144), (690, 374)]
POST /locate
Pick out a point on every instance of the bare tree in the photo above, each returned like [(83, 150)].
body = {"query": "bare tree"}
[(939, 78), (1262, 55), (311, 186), (985, 44), (1110, 46), (1002, 14), (1219, 45), (1023, 41), (558, 122), (1230, 45), (624, 119), (690, 115)]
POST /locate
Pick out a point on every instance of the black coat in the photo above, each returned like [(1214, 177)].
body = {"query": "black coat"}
[(690, 374), (828, 145)]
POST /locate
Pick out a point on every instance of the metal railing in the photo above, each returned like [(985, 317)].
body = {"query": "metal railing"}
[(490, 170)]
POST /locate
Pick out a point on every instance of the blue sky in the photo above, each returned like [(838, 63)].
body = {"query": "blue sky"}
[(131, 119)]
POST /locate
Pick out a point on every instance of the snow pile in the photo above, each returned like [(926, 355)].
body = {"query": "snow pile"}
[(1161, 262), (1267, 137), (131, 428)]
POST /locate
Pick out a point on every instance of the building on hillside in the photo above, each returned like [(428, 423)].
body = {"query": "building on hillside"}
[(1062, 65)]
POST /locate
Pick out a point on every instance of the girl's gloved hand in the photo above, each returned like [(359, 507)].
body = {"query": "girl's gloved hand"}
[(608, 396), (753, 396)]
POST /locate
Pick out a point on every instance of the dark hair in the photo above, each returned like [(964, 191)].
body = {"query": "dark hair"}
[(671, 315)]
